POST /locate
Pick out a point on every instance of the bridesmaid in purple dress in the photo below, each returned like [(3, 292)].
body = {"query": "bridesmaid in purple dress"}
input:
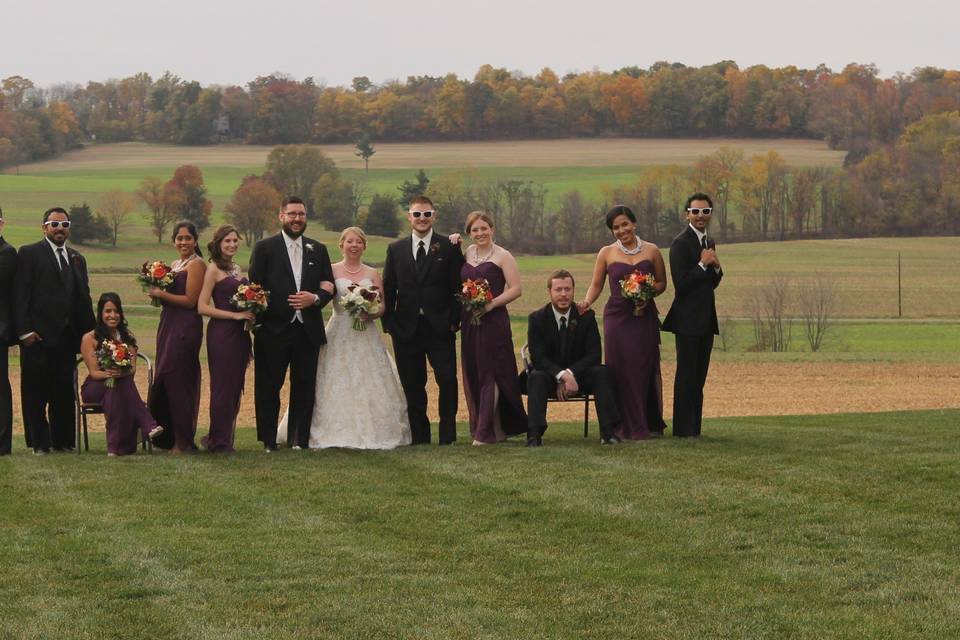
[(123, 408), (631, 342), (228, 342), (490, 382), (175, 398)]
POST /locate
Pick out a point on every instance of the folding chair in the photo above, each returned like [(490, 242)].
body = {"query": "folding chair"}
[(580, 397), (84, 409)]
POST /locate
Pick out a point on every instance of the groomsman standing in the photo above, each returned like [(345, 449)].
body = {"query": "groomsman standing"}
[(52, 311), (8, 266), (421, 278), (692, 318)]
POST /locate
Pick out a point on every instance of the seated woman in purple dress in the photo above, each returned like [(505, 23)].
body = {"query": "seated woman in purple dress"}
[(123, 408), (490, 382), (631, 331), (175, 397), (228, 342)]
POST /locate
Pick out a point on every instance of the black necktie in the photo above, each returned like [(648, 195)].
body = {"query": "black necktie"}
[(703, 242), (421, 254), (64, 266), (563, 336)]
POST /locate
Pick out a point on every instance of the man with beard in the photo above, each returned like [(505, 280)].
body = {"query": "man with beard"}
[(52, 311), (296, 271)]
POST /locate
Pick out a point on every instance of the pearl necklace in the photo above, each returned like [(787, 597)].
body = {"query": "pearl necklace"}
[(476, 255), (631, 252), (358, 269)]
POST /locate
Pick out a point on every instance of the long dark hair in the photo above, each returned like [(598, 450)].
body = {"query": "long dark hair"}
[(102, 332), (216, 253), (192, 230)]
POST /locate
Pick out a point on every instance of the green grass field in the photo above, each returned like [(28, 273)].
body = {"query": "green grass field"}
[(818, 527)]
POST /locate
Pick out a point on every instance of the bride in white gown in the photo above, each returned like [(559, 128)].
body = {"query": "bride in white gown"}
[(359, 403)]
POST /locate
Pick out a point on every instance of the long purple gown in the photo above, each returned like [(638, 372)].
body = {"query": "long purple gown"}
[(490, 382), (631, 350), (176, 386), (228, 353), (123, 409)]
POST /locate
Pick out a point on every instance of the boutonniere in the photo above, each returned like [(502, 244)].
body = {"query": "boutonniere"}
[(572, 324), (76, 259), (434, 248), (309, 246)]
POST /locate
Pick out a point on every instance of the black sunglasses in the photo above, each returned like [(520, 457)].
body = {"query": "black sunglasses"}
[(705, 211), (58, 223), (425, 214)]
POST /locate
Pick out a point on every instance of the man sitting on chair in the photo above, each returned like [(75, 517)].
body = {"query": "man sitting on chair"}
[(565, 359)]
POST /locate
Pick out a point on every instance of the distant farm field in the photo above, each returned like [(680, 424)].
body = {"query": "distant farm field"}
[(602, 152)]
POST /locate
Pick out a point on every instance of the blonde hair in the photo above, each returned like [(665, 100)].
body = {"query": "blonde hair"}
[(473, 216), (357, 230)]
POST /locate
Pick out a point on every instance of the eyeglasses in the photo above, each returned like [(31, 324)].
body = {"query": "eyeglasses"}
[(296, 214), (425, 214), (58, 223), (696, 210)]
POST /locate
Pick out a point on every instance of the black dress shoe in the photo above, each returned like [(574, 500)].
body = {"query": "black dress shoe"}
[(41, 452), (448, 443), (611, 440), (534, 442), (270, 447), (66, 449)]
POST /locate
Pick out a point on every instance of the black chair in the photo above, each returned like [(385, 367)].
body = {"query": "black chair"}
[(580, 397), (84, 409)]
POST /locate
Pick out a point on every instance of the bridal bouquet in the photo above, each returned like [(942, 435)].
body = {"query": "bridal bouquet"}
[(359, 300), (250, 297), (474, 295), (155, 274), (639, 288), (113, 354)]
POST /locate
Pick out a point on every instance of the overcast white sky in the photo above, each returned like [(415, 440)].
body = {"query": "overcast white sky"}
[(220, 42)]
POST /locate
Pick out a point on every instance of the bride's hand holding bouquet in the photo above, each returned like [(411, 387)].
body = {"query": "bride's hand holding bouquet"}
[(362, 303)]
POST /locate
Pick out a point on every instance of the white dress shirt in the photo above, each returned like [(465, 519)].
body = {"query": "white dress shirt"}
[(700, 237), (295, 254), (557, 315), (415, 242)]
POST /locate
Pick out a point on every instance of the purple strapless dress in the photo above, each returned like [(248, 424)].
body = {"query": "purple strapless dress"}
[(489, 366), (228, 354), (176, 388), (631, 350), (123, 409)]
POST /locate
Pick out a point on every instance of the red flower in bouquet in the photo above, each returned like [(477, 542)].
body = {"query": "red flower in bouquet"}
[(156, 273), (640, 288), (114, 354), (250, 297), (474, 295)]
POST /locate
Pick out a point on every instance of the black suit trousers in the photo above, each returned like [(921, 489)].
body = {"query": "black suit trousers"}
[(6, 404), (595, 380), (274, 353), (412, 356), (693, 361), (46, 391)]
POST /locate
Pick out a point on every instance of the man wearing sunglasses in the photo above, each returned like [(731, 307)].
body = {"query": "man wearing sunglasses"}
[(8, 267), (421, 278), (692, 318), (52, 311)]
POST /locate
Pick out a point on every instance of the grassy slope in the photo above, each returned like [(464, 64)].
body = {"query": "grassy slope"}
[(840, 526)]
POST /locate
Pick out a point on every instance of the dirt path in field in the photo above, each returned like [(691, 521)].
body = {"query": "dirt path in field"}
[(747, 389)]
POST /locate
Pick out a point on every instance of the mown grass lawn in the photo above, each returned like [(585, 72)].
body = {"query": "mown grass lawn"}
[(841, 526)]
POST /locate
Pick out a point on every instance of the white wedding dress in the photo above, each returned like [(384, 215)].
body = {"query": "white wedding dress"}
[(359, 403)]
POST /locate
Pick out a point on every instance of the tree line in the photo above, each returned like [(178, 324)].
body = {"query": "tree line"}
[(854, 109), (908, 187)]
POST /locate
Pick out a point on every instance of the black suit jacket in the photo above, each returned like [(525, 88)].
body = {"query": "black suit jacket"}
[(8, 269), (694, 310), (582, 347), (270, 268), (433, 287), (42, 300)]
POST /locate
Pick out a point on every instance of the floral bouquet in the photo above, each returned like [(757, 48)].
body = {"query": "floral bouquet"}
[(638, 287), (113, 354), (250, 297), (474, 295), (359, 300), (155, 274)]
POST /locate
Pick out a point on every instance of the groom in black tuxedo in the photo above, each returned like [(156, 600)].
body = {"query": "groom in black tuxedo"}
[(421, 278), (565, 356), (296, 271), (692, 318), (8, 267), (52, 311)]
